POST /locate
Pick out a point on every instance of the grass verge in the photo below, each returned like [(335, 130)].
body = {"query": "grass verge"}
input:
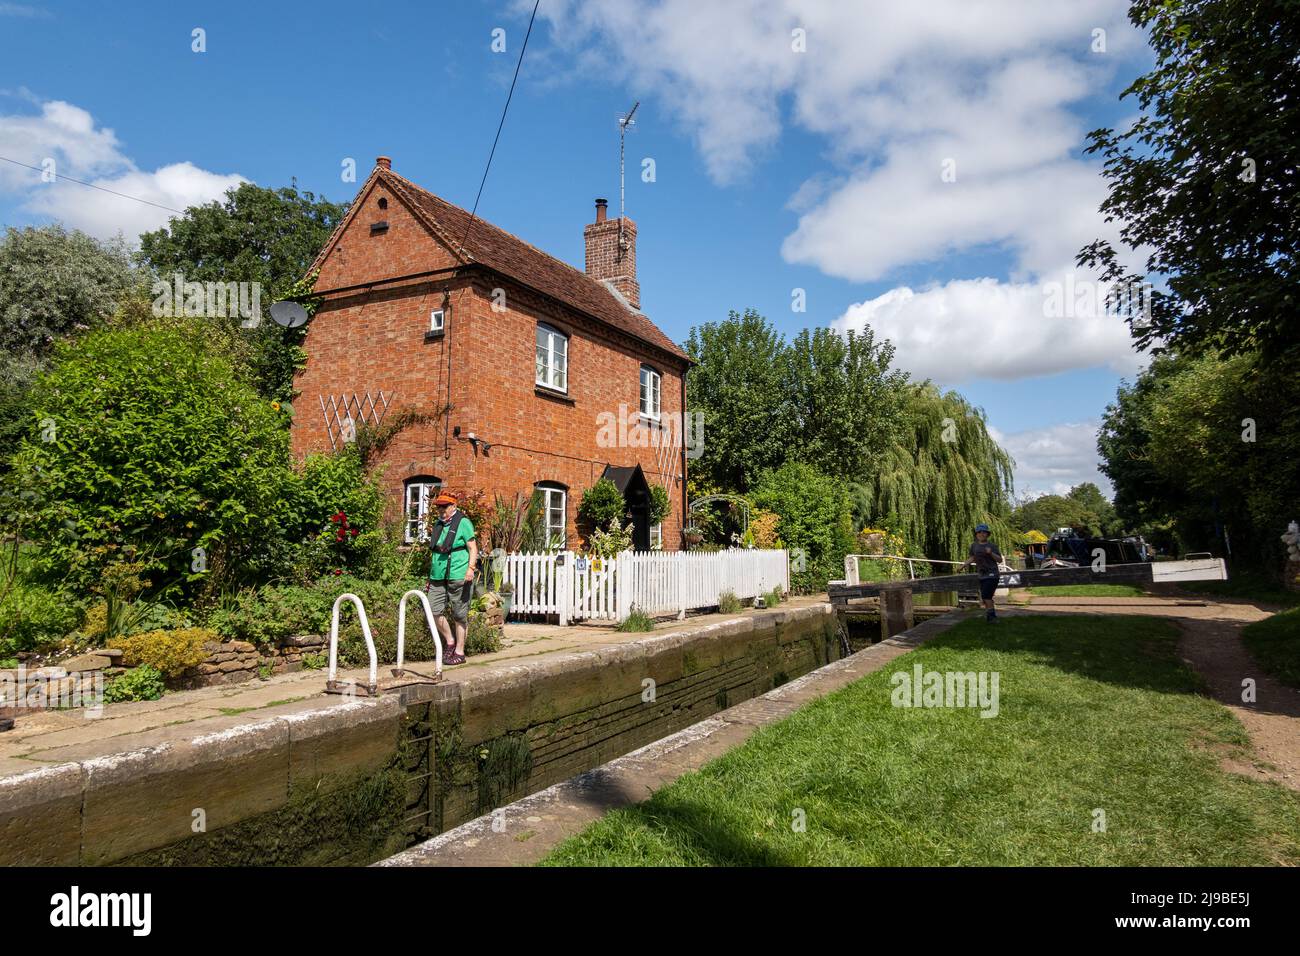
[(1095, 714), (1275, 643)]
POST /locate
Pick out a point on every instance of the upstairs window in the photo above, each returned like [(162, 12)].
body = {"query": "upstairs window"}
[(552, 358), (650, 382), (420, 493), (436, 320)]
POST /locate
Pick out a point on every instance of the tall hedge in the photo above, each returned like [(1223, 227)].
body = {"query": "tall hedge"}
[(145, 444)]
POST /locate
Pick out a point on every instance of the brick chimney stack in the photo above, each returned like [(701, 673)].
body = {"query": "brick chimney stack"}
[(384, 161), (611, 252)]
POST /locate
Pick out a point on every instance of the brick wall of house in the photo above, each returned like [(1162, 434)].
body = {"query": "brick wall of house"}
[(373, 339), (539, 436)]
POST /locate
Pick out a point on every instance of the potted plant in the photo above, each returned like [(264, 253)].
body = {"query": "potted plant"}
[(507, 592), (693, 535)]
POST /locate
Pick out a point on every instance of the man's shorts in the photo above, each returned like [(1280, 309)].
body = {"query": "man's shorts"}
[(988, 586), (451, 599)]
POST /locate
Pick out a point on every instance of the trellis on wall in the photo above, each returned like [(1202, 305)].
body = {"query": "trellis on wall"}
[(345, 412), (667, 453)]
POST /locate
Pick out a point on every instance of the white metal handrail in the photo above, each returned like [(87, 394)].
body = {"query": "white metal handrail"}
[(365, 630), (401, 628)]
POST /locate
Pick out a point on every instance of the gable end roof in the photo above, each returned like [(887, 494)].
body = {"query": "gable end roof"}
[(490, 246)]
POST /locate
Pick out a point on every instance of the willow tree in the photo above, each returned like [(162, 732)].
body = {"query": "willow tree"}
[(940, 475)]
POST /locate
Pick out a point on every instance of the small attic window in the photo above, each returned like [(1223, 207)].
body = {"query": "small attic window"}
[(383, 202), (378, 227)]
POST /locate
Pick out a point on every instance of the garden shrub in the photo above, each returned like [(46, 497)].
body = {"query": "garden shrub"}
[(119, 613), (161, 617), (342, 509), (660, 503), (775, 597), (815, 516), (171, 653), (35, 618), (612, 542), (268, 614), (145, 444), (763, 528), (601, 505), (139, 683), (728, 603), (482, 637)]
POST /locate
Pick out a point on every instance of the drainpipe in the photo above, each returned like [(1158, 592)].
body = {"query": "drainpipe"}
[(684, 430), (449, 320)]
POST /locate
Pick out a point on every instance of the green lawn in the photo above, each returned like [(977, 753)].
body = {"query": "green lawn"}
[(1088, 590), (1275, 642), (1095, 713)]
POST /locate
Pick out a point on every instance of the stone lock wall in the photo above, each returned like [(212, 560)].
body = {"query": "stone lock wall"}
[(522, 728), (353, 782)]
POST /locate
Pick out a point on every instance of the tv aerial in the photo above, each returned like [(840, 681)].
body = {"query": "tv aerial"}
[(625, 122)]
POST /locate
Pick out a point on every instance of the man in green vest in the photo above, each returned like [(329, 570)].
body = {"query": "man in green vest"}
[(451, 576)]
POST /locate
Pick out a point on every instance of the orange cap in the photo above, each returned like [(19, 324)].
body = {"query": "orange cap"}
[(444, 499)]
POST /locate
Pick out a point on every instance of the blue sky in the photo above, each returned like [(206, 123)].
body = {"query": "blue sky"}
[(777, 168)]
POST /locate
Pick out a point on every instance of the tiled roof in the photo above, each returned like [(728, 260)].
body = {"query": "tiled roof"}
[(511, 256)]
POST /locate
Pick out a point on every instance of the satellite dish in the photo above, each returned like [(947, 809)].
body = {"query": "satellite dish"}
[(289, 314)]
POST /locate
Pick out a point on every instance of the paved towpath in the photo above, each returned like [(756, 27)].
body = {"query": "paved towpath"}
[(48, 736)]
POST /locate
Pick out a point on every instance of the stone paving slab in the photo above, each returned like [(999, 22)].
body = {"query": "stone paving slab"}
[(525, 831)]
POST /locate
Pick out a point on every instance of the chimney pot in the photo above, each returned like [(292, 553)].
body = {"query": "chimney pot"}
[(601, 206), (384, 161)]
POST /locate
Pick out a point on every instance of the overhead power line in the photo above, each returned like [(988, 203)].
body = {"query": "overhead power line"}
[(474, 212), (60, 177)]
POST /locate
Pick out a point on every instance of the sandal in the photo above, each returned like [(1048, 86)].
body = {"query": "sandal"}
[(453, 659)]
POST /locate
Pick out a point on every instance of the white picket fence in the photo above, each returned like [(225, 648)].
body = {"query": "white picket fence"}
[(656, 582)]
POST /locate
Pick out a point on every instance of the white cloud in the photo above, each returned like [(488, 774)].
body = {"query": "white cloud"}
[(894, 89), (980, 328), (82, 149), (103, 214), (1054, 459)]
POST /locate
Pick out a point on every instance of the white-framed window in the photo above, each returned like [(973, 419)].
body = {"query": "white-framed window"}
[(657, 537), (436, 319), (554, 501), (650, 383), (552, 358), (420, 493)]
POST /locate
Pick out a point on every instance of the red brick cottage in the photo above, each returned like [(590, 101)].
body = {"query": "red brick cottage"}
[(421, 308)]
